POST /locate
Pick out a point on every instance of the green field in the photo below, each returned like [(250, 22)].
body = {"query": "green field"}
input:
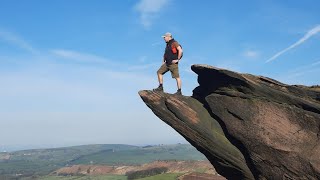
[(142, 155), (44, 161), (105, 177), (40, 162), (169, 176)]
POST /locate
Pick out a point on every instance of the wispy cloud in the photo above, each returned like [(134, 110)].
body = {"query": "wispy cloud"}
[(145, 66), (308, 35), (157, 43), (304, 69), (251, 54), (149, 10), (78, 56), (17, 41), (142, 59), (315, 64)]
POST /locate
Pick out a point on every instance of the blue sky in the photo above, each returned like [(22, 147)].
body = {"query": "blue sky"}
[(70, 71)]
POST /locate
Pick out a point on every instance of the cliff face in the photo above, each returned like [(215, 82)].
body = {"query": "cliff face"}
[(249, 127)]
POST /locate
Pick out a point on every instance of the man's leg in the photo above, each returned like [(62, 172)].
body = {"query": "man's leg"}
[(162, 70), (160, 78), (179, 86), (175, 74), (178, 82)]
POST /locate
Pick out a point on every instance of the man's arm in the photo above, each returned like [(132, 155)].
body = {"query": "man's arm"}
[(180, 52)]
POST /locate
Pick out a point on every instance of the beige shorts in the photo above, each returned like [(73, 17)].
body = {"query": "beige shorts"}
[(173, 68)]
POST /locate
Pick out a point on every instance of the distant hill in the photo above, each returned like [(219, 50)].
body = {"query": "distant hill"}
[(44, 161), (172, 166), (141, 155)]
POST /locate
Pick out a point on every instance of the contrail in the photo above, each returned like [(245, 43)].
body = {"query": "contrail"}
[(316, 63), (156, 43), (309, 34), (15, 40)]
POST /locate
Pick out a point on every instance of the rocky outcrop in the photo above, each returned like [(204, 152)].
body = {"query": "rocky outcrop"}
[(249, 127)]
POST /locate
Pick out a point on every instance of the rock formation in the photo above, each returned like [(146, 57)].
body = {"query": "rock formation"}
[(249, 127)]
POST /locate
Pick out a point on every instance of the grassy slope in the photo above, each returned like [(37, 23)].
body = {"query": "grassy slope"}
[(142, 155), (43, 161), (106, 177), (167, 176)]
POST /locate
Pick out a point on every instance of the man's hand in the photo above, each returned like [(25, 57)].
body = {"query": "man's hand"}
[(175, 61), (163, 61), (180, 52)]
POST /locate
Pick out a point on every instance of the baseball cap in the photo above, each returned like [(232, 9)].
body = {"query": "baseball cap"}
[(167, 35)]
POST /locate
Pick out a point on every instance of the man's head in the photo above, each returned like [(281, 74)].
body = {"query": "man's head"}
[(167, 36)]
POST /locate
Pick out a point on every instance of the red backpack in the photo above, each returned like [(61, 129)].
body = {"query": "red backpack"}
[(175, 50)]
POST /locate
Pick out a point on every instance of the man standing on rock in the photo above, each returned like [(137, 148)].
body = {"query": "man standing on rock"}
[(172, 55)]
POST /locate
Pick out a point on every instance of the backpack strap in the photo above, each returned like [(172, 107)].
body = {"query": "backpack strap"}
[(174, 48)]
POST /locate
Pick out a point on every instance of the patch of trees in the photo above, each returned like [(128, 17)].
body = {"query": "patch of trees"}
[(145, 173)]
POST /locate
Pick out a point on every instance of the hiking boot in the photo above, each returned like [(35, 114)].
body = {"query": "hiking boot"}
[(178, 92), (159, 88)]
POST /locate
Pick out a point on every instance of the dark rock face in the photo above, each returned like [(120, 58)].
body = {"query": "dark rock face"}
[(249, 127)]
